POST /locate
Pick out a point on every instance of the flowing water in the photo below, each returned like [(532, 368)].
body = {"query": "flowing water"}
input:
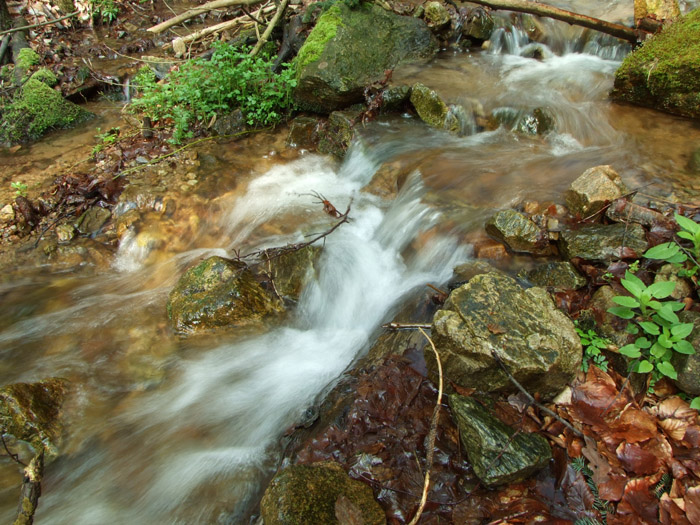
[(162, 429)]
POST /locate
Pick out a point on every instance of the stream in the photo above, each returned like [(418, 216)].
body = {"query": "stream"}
[(164, 430)]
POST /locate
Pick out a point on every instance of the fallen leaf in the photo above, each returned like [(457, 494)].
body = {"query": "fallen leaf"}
[(636, 460), (692, 504), (639, 501)]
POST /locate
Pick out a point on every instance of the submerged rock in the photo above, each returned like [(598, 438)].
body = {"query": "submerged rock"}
[(319, 494), (291, 270), (518, 232), (303, 133), (31, 412), (536, 342), (497, 454), (595, 188), (603, 242), (218, 292), (349, 49), (664, 73)]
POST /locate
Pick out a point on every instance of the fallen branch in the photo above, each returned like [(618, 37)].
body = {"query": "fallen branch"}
[(31, 490), (217, 28), (536, 8), (431, 435), (209, 6), (268, 31), (410, 326), (47, 23)]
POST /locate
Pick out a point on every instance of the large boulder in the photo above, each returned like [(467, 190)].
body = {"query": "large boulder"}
[(320, 494), (349, 49), (31, 412), (496, 452), (491, 313), (218, 292), (603, 242), (595, 188), (664, 73)]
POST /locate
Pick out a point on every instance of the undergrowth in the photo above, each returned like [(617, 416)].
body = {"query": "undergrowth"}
[(200, 89)]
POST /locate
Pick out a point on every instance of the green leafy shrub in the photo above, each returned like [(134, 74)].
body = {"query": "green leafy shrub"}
[(231, 79), (106, 10), (592, 345)]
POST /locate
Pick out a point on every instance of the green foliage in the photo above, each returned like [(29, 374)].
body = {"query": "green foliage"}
[(323, 31), (199, 89), (106, 10), (20, 188), (26, 58), (695, 403), (592, 345), (690, 230), (46, 76), (663, 333), (105, 139)]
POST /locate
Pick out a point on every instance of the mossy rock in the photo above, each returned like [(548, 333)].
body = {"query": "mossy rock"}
[(316, 495), (430, 107), (218, 292), (31, 412), (339, 131), (36, 109), (292, 270), (349, 49), (664, 73), (603, 242)]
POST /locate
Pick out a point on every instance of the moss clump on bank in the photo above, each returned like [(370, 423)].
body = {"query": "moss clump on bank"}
[(27, 58), (664, 73), (36, 109), (325, 29)]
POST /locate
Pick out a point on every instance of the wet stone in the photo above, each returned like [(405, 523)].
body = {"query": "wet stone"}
[(497, 454), (436, 15), (317, 495), (303, 133), (600, 242), (339, 132), (518, 232), (429, 106), (65, 232), (595, 188), (92, 220), (557, 275)]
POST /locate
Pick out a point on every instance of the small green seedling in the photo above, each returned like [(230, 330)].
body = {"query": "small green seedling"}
[(690, 230), (20, 188), (592, 345)]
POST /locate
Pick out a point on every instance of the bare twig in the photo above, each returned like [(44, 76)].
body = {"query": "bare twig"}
[(407, 326), (437, 290), (209, 6), (14, 457), (47, 23), (268, 31), (431, 435)]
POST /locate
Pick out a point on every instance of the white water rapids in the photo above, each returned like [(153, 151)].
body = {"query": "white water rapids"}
[(187, 432)]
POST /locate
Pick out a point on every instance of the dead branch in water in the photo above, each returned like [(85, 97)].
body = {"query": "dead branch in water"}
[(536, 8), (209, 6), (31, 490)]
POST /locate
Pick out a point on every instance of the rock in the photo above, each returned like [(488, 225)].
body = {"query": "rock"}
[(664, 73), (466, 271), (497, 454), (315, 495), (303, 133), (339, 131), (31, 412), (292, 270), (65, 233), (230, 123), (36, 109), (7, 213), (158, 65), (349, 49), (395, 97), (688, 366), (656, 9), (436, 15), (218, 292), (518, 232), (429, 106), (538, 121), (694, 162), (668, 272), (389, 179), (459, 121), (601, 242), (536, 342), (557, 275), (595, 188), (478, 24), (627, 211), (92, 220)]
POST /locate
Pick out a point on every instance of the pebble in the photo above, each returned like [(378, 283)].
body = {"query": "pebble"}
[(7, 213)]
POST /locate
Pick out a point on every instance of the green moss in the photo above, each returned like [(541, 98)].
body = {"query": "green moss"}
[(27, 58), (665, 71), (46, 76), (35, 110), (325, 29)]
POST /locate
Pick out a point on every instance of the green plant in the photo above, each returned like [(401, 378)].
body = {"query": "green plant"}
[(20, 188), (105, 139), (592, 345), (690, 230), (107, 10), (200, 89), (658, 320)]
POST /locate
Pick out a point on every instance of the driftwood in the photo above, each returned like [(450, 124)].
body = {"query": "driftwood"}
[(209, 6), (536, 8)]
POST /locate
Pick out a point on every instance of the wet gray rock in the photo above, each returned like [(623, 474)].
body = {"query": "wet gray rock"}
[(518, 232), (395, 97), (31, 412), (497, 454), (595, 188), (537, 343), (338, 132), (688, 366), (436, 15), (291, 270), (218, 292), (319, 494), (600, 242), (92, 220), (229, 123), (558, 275), (538, 121), (303, 133), (478, 24), (349, 49)]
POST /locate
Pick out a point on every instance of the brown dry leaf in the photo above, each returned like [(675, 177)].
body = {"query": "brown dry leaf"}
[(639, 501), (676, 408), (670, 513), (595, 401), (633, 425), (610, 481), (637, 460), (692, 504)]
